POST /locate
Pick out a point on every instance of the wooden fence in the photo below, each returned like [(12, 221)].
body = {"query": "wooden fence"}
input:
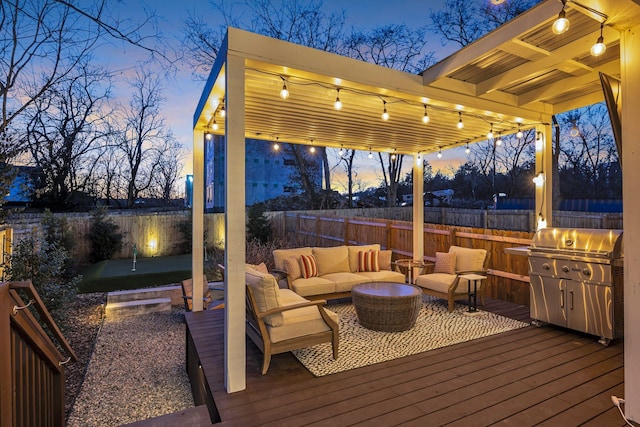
[(508, 274), (154, 233)]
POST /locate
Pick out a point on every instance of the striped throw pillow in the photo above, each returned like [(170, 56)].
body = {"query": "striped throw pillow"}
[(309, 266), (368, 261)]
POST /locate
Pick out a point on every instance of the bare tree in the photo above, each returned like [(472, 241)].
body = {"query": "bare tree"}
[(144, 133), (463, 22), (168, 169), (64, 127), (391, 172), (347, 161)]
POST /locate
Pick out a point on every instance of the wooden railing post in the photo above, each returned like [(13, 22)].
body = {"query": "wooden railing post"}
[(6, 392)]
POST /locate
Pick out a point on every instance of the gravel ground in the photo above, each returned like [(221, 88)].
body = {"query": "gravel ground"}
[(136, 369)]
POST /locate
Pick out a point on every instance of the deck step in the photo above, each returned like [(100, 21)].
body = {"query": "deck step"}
[(135, 307), (190, 417), (173, 291)]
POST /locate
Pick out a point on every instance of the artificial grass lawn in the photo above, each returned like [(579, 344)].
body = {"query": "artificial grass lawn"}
[(116, 275)]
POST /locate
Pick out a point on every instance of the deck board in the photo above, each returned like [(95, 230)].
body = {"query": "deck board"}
[(530, 376)]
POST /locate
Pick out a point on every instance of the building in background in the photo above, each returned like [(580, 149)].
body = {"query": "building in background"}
[(269, 173)]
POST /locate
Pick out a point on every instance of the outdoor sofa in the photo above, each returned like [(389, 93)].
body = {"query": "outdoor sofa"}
[(334, 270)]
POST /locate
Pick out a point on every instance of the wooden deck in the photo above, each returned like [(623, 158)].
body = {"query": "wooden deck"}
[(531, 376)]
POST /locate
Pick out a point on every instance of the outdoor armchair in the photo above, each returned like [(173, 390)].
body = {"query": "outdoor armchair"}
[(445, 281)]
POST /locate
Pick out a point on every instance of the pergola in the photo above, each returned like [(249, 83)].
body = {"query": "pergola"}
[(514, 78)]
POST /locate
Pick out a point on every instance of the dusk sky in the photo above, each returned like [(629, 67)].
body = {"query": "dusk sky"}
[(182, 92)]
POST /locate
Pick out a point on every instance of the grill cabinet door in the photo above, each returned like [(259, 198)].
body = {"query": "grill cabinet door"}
[(589, 308), (548, 300)]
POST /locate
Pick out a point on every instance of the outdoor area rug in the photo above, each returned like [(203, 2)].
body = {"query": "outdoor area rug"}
[(434, 328)]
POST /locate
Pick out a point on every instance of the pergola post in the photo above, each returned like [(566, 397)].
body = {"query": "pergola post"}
[(418, 208), (197, 213), (544, 165), (630, 70), (235, 359)]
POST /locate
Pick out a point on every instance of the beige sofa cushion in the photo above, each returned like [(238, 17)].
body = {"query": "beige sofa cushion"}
[(313, 286), (438, 282), (331, 260), (299, 322), (344, 281), (279, 255), (353, 254), (382, 276), (468, 259), (265, 292)]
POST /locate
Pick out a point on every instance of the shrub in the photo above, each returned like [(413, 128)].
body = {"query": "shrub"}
[(44, 264), (258, 225), (105, 236)]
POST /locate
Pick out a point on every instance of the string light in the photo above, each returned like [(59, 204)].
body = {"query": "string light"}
[(370, 153), (208, 136), (425, 118), (460, 124), (385, 114), (284, 93), (574, 129), (539, 141), (312, 149), (538, 180), (439, 152), (599, 47), (341, 151), (519, 134), (499, 140), (467, 150), (223, 112), (393, 155), (276, 146), (338, 104), (418, 159), (490, 134), (215, 124), (561, 24)]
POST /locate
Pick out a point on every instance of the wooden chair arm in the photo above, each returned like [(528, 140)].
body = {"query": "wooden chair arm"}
[(292, 307)]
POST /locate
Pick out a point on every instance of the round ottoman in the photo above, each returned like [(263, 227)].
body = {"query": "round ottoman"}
[(385, 306)]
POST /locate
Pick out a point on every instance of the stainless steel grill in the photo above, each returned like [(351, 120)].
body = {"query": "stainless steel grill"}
[(577, 280)]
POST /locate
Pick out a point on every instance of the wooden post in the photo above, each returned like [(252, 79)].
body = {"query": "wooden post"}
[(346, 231), (6, 389)]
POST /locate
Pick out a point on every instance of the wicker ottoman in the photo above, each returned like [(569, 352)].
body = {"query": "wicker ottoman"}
[(389, 307)]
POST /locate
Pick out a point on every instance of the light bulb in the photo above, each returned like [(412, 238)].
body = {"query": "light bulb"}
[(539, 142), (276, 146), (460, 124), (419, 159), (370, 155), (341, 151), (215, 124), (538, 180), (223, 112), (499, 141), (208, 136), (385, 114), (574, 130), (467, 150), (425, 118), (338, 104), (490, 134), (440, 154), (561, 25), (312, 149), (542, 223), (284, 93), (519, 134), (598, 48)]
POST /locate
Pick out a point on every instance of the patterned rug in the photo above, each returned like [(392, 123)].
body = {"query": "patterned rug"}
[(434, 328)]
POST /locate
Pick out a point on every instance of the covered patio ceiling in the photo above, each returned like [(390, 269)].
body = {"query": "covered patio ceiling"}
[(518, 76)]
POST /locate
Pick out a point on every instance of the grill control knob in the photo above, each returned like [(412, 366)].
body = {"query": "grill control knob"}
[(565, 269), (586, 272), (546, 266)]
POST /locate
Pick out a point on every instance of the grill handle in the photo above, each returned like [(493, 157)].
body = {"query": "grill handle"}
[(561, 299), (571, 300)]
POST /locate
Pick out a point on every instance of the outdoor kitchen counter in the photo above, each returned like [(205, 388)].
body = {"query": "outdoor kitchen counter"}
[(520, 250)]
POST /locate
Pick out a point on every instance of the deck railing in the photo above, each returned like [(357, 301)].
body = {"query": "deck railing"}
[(508, 274), (31, 366)]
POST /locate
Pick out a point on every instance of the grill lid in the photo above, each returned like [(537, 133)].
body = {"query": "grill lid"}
[(579, 241)]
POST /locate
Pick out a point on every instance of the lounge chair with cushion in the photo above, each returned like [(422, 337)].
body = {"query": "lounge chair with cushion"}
[(279, 320), (445, 281)]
